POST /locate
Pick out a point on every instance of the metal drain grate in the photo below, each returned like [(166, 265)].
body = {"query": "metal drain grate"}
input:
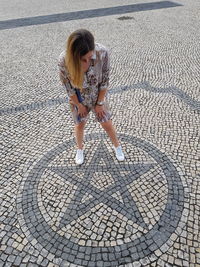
[(125, 18)]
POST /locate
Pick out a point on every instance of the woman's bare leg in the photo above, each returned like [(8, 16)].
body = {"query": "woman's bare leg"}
[(110, 130), (79, 134)]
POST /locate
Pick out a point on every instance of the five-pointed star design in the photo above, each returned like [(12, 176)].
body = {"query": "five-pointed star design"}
[(131, 172)]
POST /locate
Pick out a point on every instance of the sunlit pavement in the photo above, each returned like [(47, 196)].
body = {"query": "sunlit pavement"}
[(143, 211)]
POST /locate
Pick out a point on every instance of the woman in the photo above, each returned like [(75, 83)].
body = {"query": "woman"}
[(84, 71)]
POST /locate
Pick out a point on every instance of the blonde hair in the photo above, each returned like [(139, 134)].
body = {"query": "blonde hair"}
[(79, 44)]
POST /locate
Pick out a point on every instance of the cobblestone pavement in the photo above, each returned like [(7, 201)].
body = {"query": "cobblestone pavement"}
[(144, 211)]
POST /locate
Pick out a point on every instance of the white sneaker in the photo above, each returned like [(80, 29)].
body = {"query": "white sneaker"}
[(79, 156), (119, 153)]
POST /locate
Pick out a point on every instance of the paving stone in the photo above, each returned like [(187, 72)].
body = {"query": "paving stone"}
[(143, 211)]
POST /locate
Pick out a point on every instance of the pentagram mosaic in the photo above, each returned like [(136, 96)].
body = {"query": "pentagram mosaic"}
[(105, 210)]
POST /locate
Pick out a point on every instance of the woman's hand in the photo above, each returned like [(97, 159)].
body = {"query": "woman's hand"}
[(100, 111), (82, 110)]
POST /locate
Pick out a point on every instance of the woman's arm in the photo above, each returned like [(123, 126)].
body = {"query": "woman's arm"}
[(103, 86), (99, 108), (82, 110), (101, 95)]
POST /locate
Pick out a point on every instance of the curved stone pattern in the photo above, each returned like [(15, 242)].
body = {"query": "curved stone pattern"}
[(103, 211), (193, 104)]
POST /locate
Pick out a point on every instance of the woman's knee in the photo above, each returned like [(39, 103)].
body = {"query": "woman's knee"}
[(107, 125), (80, 126)]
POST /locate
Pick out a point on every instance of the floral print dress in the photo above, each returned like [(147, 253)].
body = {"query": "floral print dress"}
[(95, 79)]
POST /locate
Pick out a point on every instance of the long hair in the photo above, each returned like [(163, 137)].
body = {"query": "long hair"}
[(79, 44)]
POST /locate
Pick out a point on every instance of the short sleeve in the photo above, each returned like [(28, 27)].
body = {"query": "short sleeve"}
[(105, 71), (64, 77)]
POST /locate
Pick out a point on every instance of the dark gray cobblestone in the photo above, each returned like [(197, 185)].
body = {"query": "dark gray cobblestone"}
[(119, 252)]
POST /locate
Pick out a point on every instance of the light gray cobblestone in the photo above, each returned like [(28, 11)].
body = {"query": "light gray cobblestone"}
[(144, 211)]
